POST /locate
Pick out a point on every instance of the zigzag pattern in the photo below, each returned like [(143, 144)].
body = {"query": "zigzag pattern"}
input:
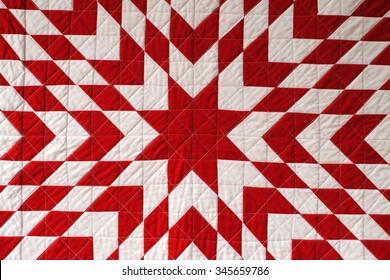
[(210, 129)]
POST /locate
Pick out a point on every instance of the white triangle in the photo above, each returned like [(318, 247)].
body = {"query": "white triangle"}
[(35, 51), (256, 22), (133, 94), (35, 22), (379, 103), (305, 201), (335, 7), (192, 191), (232, 197), (133, 21), (252, 248), (192, 252), (155, 95), (351, 249), (107, 36), (154, 179), (73, 98), (239, 173), (81, 227), (19, 76), (232, 75), (10, 100), (79, 199), (30, 248), (13, 168), (159, 251), (193, 77), (282, 28), (227, 18), (86, 45), (138, 134), (194, 11), (159, 13), (9, 135), (225, 251), (315, 101), (69, 173), (81, 72), (21, 223), (132, 248), (58, 5), (303, 47), (363, 227), (17, 43), (378, 174)]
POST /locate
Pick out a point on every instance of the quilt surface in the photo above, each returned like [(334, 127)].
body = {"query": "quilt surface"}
[(199, 129)]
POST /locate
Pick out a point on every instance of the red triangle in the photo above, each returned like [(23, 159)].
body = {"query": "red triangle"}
[(40, 98), (69, 248), (313, 250), (328, 226), (376, 33), (141, 5), (55, 223), (229, 226), (379, 248), (114, 7), (114, 255), (36, 172), (156, 225), (3, 81), (103, 173), (192, 226), (58, 47), (266, 200), (7, 244), (249, 5), (48, 73), (7, 52), (108, 98), (4, 217), (349, 176), (383, 58), (45, 198), (280, 175), (339, 201), (383, 221), (9, 24), (231, 45), (280, 100)]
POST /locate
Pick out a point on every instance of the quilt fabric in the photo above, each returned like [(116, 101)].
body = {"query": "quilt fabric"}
[(199, 129)]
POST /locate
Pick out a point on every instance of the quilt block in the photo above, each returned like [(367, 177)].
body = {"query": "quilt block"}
[(207, 129)]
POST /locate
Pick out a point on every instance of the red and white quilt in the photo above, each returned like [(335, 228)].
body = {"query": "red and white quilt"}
[(199, 129)]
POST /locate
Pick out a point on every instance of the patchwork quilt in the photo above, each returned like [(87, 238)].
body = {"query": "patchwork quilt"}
[(194, 129)]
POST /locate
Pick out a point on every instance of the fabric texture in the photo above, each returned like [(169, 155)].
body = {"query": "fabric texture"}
[(199, 129)]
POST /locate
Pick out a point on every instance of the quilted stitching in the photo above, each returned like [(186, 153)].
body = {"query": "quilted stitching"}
[(194, 129)]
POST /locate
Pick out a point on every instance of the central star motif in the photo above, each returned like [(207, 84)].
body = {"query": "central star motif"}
[(192, 134)]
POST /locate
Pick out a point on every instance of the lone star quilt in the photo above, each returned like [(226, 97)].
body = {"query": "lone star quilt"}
[(194, 129)]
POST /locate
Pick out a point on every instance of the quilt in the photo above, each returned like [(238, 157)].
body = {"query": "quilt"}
[(194, 129)]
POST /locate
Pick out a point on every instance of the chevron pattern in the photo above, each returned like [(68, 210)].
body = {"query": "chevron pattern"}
[(208, 129)]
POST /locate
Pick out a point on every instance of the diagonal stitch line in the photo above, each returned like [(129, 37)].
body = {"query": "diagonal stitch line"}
[(355, 149), (213, 146), (199, 160), (267, 201), (72, 19), (21, 74), (101, 61)]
